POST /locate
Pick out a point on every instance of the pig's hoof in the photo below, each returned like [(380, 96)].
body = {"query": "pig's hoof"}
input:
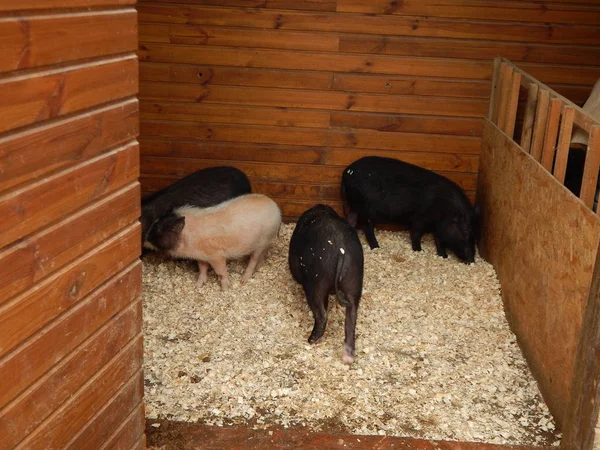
[(347, 358)]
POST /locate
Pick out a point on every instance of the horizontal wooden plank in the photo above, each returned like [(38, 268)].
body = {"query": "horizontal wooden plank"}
[(211, 113), (501, 10), (41, 96), (288, 98), (30, 361), (581, 75), (82, 406), (366, 139), (411, 86), (271, 173), (281, 59), (29, 312), (20, 418), (55, 4), (234, 151), (32, 41), (237, 37), (407, 123), (310, 5), (127, 433), (115, 412), (33, 259), (234, 76), (469, 49), (65, 142), (46, 201), (369, 24)]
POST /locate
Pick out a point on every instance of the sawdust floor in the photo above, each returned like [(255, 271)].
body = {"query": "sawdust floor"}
[(435, 356)]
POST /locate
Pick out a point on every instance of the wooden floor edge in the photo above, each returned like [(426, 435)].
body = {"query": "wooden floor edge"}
[(167, 435)]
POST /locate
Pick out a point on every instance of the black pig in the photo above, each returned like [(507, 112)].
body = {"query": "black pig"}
[(326, 257), (204, 188), (385, 190)]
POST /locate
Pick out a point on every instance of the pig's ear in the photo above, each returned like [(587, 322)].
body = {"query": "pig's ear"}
[(178, 224)]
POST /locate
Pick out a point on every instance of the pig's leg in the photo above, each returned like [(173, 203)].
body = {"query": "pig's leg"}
[(220, 266), (203, 276), (370, 234), (317, 300), (253, 263), (416, 234), (350, 328), (439, 246)]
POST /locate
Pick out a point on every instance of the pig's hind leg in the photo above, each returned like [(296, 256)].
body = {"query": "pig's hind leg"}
[(220, 267), (439, 246), (203, 276), (317, 298), (255, 261), (350, 328)]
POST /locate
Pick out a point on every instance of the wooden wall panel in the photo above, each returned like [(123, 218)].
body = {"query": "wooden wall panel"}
[(70, 317), (319, 83)]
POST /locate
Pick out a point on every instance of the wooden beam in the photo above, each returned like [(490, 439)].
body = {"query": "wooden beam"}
[(582, 414), (513, 102), (532, 99), (564, 139), (539, 127), (549, 147)]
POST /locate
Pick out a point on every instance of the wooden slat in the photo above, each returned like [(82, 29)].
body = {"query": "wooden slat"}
[(115, 412), (287, 98), (581, 422), (251, 115), (37, 307), (74, 415), (407, 123), (467, 49), (549, 74), (46, 201), (29, 42), (501, 10), (527, 130), (29, 362), (34, 98), (234, 76), (235, 151), (65, 142), (310, 5), (237, 37), (22, 417), (564, 141), (506, 75), (279, 173), (280, 59), (591, 168), (375, 140), (47, 4), (377, 24), (128, 432), (549, 147), (511, 110), (30, 261), (539, 126)]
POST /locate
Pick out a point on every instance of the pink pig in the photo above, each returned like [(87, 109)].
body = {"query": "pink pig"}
[(244, 225)]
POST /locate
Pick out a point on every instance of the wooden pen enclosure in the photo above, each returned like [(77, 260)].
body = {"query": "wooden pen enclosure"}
[(288, 91)]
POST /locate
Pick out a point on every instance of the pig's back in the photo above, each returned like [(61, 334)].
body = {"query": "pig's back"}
[(234, 228)]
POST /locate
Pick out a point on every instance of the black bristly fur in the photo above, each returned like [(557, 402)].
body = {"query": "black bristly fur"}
[(385, 190)]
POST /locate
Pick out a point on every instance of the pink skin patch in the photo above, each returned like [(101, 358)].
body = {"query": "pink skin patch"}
[(347, 358)]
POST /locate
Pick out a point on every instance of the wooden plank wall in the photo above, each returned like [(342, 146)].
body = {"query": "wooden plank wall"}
[(293, 91), (70, 309)]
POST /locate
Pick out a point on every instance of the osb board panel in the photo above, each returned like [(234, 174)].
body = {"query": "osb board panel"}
[(542, 241)]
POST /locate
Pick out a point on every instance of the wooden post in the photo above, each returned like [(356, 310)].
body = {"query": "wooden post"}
[(495, 90), (506, 75), (532, 97), (539, 126), (549, 147), (591, 167), (511, 111), (564, 140), (582, 414)]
